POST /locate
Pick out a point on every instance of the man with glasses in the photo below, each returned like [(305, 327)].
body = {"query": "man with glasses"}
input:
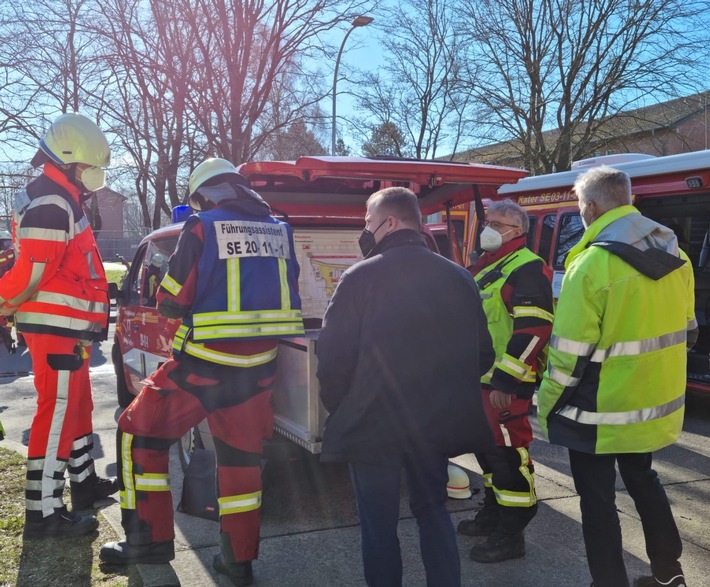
[(516, 290)]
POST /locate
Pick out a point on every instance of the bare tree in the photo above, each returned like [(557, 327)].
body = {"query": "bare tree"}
[(420, 89), (553, 71), (249, 53)]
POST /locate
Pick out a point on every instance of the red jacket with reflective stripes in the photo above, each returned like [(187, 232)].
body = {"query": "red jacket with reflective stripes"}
[(57, 285)]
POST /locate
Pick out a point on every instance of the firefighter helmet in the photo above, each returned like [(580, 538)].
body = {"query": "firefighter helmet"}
[(73, 138), (208, 169), (459, 485)]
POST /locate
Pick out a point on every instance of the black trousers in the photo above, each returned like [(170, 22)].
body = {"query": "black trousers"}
[(594, 479)]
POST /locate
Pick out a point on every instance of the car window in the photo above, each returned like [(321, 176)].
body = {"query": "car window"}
[(546, 232), (154, 268), (530, 241), (571, 230)]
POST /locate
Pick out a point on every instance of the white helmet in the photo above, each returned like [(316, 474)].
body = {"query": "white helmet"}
[(459, 485), (206, 170), (73, 138)]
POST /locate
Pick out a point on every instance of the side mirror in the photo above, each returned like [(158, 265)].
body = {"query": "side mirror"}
[(114, 292)]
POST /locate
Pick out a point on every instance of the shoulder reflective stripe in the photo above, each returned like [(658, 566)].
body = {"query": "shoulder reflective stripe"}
[(199, 351), (562, 378), (572, 347), (43, 234), (619, 418), (531, 312), (235, 504), (285, 290), (153, 482), (234, 302), (172, 286), (128, 494), (692, 324), (639, 347)]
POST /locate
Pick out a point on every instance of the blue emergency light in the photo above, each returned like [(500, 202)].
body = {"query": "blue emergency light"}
[(180, 213)]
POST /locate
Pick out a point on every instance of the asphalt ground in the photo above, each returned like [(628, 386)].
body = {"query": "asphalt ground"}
[(310, 532)]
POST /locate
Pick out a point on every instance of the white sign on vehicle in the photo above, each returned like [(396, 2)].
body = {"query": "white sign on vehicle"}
[(244, 238), (557, 278)]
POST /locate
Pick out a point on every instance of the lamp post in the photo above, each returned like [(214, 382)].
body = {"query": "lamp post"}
[(357, 22)]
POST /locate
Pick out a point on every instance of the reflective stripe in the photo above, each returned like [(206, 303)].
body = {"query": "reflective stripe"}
[(211, 318), (32, 284), (562, 378), (269, 330), (77, 324), (285, 290), (693, 324), (239, 503), (487, 477), (531, 312), (639, 347), (153, 482), (84, 475), (51, 462), (73, 302), (621, 418), (516, 368), (572, 347), (519, 498), (200, 351), (170, 285), (234, 302), (128, 494)]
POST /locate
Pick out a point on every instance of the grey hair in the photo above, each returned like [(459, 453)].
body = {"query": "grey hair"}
[(605, 186), (399, 202), (513, 210)]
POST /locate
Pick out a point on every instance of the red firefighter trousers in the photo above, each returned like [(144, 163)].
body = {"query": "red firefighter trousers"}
[(237, 405), (61, 433)]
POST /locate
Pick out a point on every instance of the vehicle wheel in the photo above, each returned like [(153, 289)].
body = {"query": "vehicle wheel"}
[(190, 441), (125, 397)]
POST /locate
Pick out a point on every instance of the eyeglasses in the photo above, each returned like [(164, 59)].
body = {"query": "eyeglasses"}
[(498, 225)]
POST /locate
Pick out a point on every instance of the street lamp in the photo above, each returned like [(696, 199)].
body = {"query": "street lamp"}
[(357, 22)]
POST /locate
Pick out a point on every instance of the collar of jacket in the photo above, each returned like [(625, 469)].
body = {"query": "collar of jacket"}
[(491, 257), (404, 236), (58, 177), (596, 227)]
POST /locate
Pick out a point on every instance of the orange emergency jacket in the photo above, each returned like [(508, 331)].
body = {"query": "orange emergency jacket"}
[(57, 285)]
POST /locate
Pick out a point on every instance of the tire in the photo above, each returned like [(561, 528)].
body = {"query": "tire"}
[(190, 441), (125, 397)]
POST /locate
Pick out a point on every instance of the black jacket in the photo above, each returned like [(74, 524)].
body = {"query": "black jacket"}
[(400, 355)]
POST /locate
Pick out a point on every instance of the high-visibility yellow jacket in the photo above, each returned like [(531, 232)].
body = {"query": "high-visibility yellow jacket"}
[(616, 375)]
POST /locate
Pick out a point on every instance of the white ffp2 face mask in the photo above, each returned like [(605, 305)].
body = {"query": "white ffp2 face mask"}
[(491, 240), (92, 178)]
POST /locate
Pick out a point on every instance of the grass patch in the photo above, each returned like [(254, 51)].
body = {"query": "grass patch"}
[(49, 562)]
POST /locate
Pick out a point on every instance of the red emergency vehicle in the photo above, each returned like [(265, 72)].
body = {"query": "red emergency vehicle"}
[(323, 198), (673, 190)]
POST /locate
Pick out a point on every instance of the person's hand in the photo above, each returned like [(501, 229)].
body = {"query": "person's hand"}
[(499, 399)]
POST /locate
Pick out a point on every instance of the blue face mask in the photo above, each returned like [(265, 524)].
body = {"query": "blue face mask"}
[(367, 240)]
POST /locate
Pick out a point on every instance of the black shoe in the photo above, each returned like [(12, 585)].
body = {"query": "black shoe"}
[(61, 523), (122, 553), (83, 495), (500, 546), (677, 581), (482, 524), (239, 573)]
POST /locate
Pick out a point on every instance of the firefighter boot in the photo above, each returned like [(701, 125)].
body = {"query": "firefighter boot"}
[(84, 494), (500, 546), (122, 553), (239, 573), (60, 523), (486, 518)]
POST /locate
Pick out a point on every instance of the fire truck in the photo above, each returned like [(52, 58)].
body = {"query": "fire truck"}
[(323, 199), (673, 190)]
